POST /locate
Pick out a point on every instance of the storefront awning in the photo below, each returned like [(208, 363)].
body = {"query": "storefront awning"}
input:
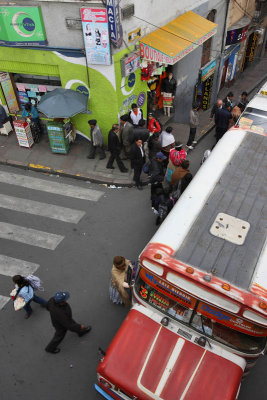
[(175, 40)]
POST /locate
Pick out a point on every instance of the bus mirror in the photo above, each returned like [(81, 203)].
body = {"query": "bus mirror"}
[(201, 341), (165, 321), (101, 354)]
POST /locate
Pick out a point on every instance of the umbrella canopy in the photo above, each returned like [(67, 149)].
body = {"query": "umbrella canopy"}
[(62, 103)]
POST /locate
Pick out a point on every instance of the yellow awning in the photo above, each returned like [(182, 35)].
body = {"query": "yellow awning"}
[(175, 40)]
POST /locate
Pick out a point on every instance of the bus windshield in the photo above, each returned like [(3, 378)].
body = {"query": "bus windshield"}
[(188, 310)]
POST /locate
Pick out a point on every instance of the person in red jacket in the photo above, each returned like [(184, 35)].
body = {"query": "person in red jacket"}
[(153, 125)]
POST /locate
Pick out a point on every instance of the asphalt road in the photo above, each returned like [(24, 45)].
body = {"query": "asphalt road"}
[(120, 222)]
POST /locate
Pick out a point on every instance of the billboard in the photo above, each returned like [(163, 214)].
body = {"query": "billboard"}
[(22, 26), (95, 35), (114, 22)]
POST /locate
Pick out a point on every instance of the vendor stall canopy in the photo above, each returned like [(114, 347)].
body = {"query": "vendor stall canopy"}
[(175, 40)]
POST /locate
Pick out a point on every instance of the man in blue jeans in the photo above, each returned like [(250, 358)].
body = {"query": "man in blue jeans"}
[(25, 290)]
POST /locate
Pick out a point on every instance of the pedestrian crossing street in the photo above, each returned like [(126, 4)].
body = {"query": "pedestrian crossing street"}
[(11, 266)]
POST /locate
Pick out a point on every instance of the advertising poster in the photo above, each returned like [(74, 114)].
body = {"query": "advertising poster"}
[(22, 26), (9, 92), (114, 22), (96, 35)]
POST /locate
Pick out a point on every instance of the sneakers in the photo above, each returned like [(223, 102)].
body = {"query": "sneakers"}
[(190, 147), (85, 330), (194, 141), (54, 351)]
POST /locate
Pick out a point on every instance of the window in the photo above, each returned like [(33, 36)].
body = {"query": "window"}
[(207, 45), (184, 308)]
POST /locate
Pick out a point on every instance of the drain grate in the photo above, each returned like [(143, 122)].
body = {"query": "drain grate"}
[(230, 228)]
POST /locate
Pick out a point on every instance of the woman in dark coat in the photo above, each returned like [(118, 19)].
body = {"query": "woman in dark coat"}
[(137, 156)]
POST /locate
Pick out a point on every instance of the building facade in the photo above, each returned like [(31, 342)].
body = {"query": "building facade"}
[(94, 47)]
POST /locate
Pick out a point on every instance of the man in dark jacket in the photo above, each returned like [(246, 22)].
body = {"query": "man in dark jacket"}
[(156, 171), (61, 317), (222, 118), (115, 148), (137, 156), (140, 131)]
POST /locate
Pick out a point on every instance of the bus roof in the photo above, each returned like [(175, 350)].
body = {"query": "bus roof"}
[(232, 181), (259, 101)]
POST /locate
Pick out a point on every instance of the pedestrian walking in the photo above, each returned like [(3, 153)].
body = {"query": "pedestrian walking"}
[(243, 101), (126, 133), (121, 273), (167, 141), (217, 106), (115, 148), (193, 122), (61, 317), (168, 89), (222, 119), (25, 290), (154, 145), (140, 131), (153, 125), (137, 156), (135, 115), (228, 99), (96, 140)]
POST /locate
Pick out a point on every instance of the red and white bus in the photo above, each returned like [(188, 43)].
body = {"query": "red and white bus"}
[(199, 319)]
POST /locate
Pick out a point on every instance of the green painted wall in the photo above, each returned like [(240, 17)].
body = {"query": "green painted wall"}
[(105, 103)]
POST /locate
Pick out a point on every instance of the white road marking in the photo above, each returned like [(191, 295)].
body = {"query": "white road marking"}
[(13, 266), (168, 369), (43, 209), (3, 301), (51, 187), (29, 236)]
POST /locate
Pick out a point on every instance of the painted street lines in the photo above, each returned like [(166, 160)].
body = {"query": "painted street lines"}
[(29, 236), (13, 266), (42, 209), (51, 187), (3, 301)]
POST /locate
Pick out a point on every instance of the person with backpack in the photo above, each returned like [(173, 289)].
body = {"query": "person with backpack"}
[(135, 115), (153, 125), (25, 290)]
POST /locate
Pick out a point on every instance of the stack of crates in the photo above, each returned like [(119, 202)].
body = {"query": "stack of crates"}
[(56, 133)]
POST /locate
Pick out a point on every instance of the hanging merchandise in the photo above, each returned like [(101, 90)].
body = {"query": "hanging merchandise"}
[(23, 133)]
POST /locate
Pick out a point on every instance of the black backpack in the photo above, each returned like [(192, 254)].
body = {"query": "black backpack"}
[(160, 124)]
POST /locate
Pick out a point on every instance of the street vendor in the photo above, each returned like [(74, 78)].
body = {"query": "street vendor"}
[(30, 112)]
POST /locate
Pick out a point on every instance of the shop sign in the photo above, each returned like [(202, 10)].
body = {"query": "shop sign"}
[(207, 71), (22, 26), (9, 92), (141, 99), (230, 320), (165, 288), (231, 68), (236, 35), (114, 22), (253, 46), (134, 35), (130, 63), (150, 54), (206, 90), (95, 34)]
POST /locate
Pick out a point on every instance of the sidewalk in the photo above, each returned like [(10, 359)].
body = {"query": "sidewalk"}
[(76, 165)]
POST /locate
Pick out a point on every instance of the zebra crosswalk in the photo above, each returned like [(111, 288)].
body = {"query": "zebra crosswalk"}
[(10, 266)]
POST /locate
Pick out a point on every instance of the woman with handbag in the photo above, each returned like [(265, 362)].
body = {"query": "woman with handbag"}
[(25, 291), (121, 272)]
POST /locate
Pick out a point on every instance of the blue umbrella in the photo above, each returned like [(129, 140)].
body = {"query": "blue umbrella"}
[(63, 103)]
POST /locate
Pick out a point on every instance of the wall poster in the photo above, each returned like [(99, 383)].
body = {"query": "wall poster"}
[(96, 35)]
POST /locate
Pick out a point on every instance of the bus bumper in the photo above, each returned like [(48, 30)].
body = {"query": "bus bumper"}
[(104, 394)]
